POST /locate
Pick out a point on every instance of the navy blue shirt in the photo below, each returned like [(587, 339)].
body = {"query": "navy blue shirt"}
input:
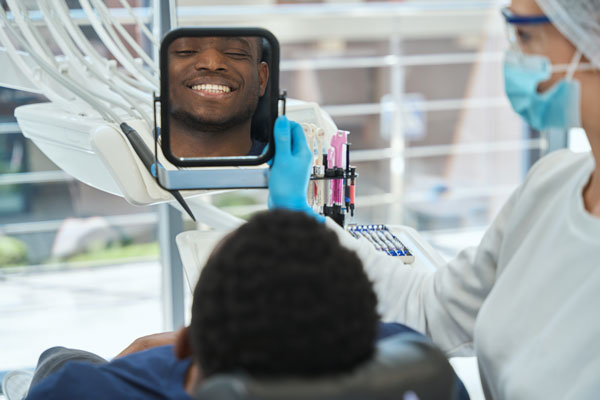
[(150, 374), (257, 148)]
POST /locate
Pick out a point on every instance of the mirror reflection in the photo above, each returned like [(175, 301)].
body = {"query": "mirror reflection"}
[(217, 89)]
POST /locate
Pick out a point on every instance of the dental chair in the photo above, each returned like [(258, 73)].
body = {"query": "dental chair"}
[(405, 367)]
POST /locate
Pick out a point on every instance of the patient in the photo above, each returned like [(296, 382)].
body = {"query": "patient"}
[(278, 297)]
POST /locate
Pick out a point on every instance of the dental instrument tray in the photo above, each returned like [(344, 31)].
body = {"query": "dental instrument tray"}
[(383, 240)]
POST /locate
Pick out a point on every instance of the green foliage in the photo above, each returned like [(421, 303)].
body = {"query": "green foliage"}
[(118, 252), (12, 251), (232, 199)]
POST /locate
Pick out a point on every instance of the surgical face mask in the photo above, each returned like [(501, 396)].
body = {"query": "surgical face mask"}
[(557, 107)]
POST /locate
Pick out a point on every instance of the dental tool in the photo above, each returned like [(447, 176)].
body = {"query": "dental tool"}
[(331, 174), (387, 249), (347, 179), (391, 248), (383, 240), (406, 252), (364, 234), (147, 157), (320, 169), (352, 190), (310, 139), (338, 141)]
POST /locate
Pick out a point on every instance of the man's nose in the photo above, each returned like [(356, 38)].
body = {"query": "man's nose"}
[(210, 59)]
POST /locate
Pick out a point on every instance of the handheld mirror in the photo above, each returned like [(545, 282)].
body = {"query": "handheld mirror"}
[(219, 95)]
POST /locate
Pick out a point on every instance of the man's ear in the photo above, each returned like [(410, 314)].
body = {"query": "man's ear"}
[(183, 347), (263, 77)]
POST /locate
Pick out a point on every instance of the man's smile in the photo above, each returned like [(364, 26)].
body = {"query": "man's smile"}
[(211, 87), (212, 90)]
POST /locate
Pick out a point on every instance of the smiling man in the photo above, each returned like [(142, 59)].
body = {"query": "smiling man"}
[(215, 86)]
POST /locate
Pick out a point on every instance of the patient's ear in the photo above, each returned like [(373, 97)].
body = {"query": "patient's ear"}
[(183, 348)]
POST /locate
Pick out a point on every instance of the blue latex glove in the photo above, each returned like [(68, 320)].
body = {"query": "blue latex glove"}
[(290, 169)]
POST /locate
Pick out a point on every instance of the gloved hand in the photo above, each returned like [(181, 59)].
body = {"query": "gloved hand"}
[(290, 169)]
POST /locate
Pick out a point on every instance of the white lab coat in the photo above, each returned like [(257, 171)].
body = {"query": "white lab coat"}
[(526, 301)]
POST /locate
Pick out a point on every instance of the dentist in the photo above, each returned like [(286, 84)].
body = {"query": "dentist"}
[(526, 300)]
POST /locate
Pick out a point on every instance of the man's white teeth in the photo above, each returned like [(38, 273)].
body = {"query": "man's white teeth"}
[(212, 88)]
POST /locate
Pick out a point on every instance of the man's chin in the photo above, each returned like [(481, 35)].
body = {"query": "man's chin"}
[(207, 124)]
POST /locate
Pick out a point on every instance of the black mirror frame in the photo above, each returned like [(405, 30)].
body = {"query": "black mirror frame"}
[(273, 87)]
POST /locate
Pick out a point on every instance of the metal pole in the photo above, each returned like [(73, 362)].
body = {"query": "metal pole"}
[(170, 220), (170, 223), (397, 161)]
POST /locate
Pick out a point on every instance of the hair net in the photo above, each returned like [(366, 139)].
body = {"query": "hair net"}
[(579, 22)]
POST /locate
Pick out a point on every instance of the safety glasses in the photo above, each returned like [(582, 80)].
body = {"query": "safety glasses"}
[(526, 33), (514, 19)]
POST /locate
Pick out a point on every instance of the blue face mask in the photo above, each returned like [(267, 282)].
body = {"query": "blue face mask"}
[(557, 107)]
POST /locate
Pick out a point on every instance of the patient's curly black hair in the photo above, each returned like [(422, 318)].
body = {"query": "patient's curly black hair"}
[(280, 296)]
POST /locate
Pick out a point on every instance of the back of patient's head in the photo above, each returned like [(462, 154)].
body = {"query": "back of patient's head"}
[(281, 297)]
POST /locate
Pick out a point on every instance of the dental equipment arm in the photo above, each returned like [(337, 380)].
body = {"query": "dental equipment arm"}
[(140, 24), (116, 47)]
